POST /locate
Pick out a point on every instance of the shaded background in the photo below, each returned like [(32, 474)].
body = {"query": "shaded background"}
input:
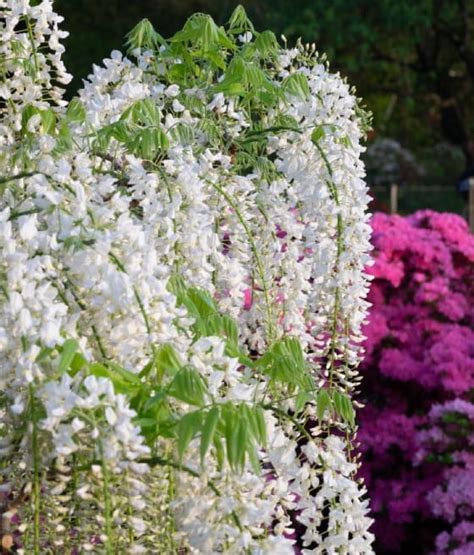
[(412, 62)]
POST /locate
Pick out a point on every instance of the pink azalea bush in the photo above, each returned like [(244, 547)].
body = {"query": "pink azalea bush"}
[(449, 439), (419, 354)]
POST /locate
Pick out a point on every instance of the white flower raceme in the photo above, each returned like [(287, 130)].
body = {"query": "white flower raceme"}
[(182, 294)]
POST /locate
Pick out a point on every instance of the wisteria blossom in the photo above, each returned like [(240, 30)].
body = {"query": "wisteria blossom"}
[(182, 295)]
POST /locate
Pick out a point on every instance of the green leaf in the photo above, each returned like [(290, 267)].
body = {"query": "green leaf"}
[(48, 121), (216, 58), (153, 403), (239, 21), (261, 426), (183, 133), (323, 401), (44, 354), (208, 431), (117, 130), (124, 381), (188, 428), (253, 458), (241, 444), (231, 87), (76, 243), (64, 138), (192, 30), (266, 43), (231, 428), (296, 84), (255, 422), (285, 363), (123, 373), (209, 33), (296, 352), (348, 410), (68, 351), (256, 78), (223, 40), (177, 73), (301, 400), (338, 404), (75, 110), (144, 36), (219, 450), (165, 361), (177, 286), (99, 370), (233, 82), (28, 112), (188, 386), (146, 423), (203, 302), (344, 407), (230, 330), (147, 142), (201, 29), (78, 363), (142, 112), (346, 141), (285, 121), (318, 134)]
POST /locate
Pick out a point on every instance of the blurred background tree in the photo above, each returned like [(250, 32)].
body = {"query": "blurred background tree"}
[(98, 26), (412, 62)]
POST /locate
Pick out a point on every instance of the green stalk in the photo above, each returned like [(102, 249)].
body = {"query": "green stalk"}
[(107, 504), (33, 45), (95, 333), (271, 332), (152, 461), (337, 297), (340, 228), (36, 474), (18, 176), (141, 306), (303, 431), (170, 524)]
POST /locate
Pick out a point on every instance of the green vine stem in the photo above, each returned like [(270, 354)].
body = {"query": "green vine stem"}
[(141, 306), (153, 461), (271, 332), (36, 473), (33, 45), (107, 503), (340, 247)]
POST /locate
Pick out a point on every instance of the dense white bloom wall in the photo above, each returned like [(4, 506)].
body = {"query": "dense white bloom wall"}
[(181, 295)]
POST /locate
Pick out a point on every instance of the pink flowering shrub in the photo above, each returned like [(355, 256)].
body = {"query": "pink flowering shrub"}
[(449, 439), (419, 354)]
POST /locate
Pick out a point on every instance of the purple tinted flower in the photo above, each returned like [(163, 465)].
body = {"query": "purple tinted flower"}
[(419, 355)]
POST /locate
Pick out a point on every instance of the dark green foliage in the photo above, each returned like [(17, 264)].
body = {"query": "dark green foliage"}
[(413, 62)]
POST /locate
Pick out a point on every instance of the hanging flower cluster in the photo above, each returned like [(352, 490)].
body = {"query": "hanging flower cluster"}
[(182, 295)]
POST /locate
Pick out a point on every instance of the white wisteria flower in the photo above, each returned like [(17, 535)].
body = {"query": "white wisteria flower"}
[(182, 253)]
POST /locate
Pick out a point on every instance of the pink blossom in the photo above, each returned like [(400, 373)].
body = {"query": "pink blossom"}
[(418, 370)]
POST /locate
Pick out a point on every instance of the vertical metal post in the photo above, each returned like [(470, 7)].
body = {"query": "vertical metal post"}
[(393, 198), (471, 204)]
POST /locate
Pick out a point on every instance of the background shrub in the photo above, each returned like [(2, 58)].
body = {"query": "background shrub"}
[(420, 352)]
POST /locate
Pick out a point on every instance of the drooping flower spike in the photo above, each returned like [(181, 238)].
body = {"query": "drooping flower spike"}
[(183, 291)]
